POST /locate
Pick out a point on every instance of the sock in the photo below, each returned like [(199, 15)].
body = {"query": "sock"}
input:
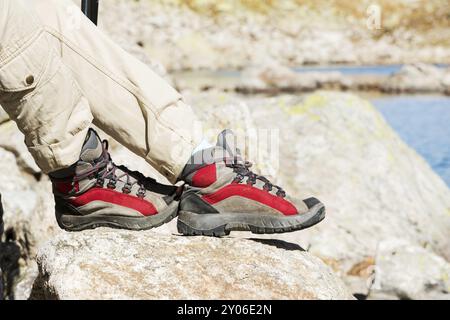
[(204, 144), (192, 164)]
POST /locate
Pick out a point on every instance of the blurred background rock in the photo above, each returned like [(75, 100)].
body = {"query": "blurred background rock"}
[(207, 34)]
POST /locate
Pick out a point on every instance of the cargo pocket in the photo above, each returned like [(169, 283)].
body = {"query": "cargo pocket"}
[(38, 92), (21, 72), (20, 75)]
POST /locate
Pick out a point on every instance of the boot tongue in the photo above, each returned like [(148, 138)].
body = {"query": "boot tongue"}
[(224, 150), (92, 150), (92, 147)]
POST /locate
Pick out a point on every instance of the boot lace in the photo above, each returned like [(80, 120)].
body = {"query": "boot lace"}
[(105, 169), (242, 170)]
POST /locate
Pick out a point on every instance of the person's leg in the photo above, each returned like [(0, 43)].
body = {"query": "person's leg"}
[(55, 79), (50, 67), (38, 91), (128, 100), (73, 63)]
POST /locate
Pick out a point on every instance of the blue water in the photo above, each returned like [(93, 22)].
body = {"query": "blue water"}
[(423, 122), (352, 70)]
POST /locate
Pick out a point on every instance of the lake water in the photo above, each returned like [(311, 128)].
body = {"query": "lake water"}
[(423, 122), (351, 70)]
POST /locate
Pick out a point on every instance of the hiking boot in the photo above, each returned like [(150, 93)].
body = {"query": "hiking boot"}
[(224, 195), (95, 192)]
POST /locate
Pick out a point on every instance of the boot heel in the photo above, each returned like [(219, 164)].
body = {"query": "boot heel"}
[(187, 230)]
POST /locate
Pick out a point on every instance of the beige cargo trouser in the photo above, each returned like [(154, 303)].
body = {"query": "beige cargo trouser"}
[(59, 74)]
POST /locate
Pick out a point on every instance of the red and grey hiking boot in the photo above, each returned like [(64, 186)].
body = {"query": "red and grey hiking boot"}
[(95, 192), (225, 195)]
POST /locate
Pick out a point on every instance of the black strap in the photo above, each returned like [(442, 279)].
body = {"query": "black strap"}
[(90, 9), (150, 183)]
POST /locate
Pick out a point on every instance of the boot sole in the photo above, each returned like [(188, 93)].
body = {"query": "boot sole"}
[(69, 221), (221, 224)]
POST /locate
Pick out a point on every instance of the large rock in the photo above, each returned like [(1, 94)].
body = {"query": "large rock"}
[(111, 264), (3, 116), (408, 271), (29, 222), (339, 148), (15, 243), (417, 78), (12, 140), (19, 199), (28, 204), (272, 77)]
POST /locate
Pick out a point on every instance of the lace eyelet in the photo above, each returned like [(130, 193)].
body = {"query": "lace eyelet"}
[(251, 181), (238, 178), (127, 188), (100, 182), (281, 194), (111, 185), (141, 195)]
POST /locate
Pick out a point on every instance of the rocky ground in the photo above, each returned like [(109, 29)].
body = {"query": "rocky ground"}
[(111, 264), (386, 233)]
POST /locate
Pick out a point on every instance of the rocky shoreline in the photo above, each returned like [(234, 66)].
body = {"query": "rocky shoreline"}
[(263, 46), (273, 79)]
